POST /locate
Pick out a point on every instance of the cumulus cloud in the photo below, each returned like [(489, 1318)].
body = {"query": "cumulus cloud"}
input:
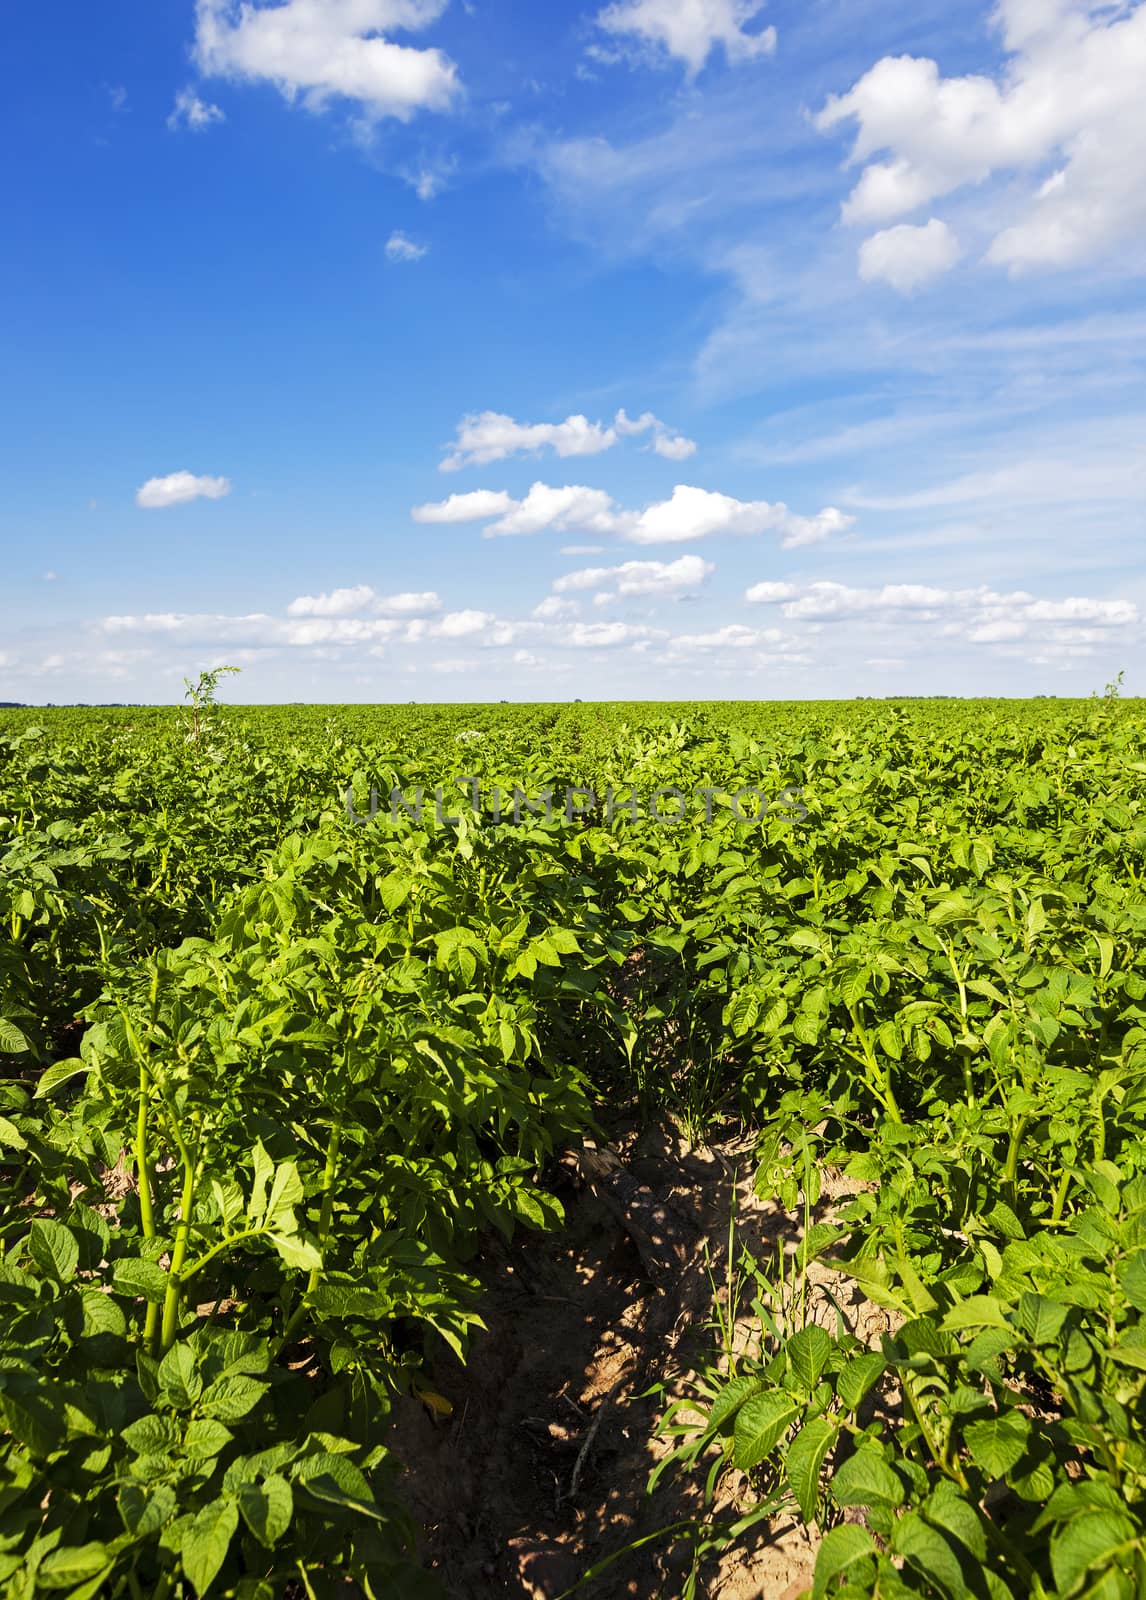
[(417, 603), (339, 603), (191, 112), (980, 615), (573, 506), (770, 592), (733, 636), (399, 247), (487, 436), (603, 635), (253, 630), (699, 513), (1069, 94), (689, 30), (822, 600), (907, 256), (328, 631), (349, 602), (177, 488), (640, 577), (475, 506), (551, 609), (674, 447), (691, 513), (462, 624), (320, 50)]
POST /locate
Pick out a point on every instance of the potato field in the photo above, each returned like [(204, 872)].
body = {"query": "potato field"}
[(356, 1061)]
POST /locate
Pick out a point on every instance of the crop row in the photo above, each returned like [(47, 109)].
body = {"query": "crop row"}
[(272, 1076)]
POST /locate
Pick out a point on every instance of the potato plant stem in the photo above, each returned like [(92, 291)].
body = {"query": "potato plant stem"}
[(173, 1299), (325, 1216), (146, 1205)]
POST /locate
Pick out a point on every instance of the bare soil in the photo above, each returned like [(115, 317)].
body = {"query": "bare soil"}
[(541, 1472)]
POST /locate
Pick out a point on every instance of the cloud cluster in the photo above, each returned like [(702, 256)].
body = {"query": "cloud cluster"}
[(179, 487), (832, 626), (487, 436), (1066, 111), (689, 30), (259, 631), (319, 50), (352, 601), (657, 578), (573, 506), (1074, 625), (690, 513)]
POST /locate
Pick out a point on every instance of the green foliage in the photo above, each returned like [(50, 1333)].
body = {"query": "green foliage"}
[(268, 1077)]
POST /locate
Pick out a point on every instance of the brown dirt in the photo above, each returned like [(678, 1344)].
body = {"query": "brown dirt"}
[(541, 1472)]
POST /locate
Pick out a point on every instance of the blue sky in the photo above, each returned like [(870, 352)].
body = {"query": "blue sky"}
[(463, 349)]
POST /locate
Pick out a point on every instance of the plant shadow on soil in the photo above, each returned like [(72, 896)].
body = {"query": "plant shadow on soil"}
[(541, 1473)]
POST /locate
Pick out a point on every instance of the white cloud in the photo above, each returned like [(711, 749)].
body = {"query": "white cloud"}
[(487, 436), (408, 604), (690, 30), (430, 178), (1070, 93), (698, 513), (339, 603), (640, 577), (980, 615), (1108, 613), (690, 514), (330, 631), (254, 629), (1075, 473), (582, 549), (178, 487), (348, 602), (603, 635), (551, 609), (473, 507), (401, 248), (461, 624), (674, 447), (907, 256), (733, 636), (324, 49), (191, 112), (766, 593), (573, 506)]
